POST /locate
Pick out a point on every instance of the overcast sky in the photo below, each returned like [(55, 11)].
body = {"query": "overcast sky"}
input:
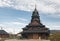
[(16, 14)]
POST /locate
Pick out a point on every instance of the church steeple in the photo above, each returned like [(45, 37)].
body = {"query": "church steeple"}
[(35, 28), (35, 16), (35, 12), (35, 8)]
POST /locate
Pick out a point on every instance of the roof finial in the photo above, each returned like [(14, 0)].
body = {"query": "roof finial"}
[(35, 6)]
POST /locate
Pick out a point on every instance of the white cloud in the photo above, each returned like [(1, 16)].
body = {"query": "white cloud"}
[(16, 27), (13, 27), (18, 23), (52, 26), (46, 6), (22, 19), (6, 3), (12, 30)]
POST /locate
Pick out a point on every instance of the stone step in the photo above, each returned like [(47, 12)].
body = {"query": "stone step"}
[(26, 40)]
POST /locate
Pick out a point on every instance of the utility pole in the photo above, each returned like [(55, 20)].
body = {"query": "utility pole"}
[(14, 33), (1, 29)]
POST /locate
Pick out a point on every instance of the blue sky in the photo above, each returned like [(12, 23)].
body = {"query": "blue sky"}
[(16, 14)]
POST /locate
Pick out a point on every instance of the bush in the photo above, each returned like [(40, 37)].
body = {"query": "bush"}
[(2, 39), (55, 37)]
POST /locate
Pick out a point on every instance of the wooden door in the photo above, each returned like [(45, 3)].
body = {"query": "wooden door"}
[(35, 36)]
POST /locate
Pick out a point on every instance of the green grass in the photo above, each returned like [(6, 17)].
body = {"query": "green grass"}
[(2, 39)]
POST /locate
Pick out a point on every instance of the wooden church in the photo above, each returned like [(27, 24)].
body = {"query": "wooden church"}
[(3, 33), (35, 29)]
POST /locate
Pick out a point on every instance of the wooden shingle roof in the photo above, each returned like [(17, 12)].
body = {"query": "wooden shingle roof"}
[(3, 32)]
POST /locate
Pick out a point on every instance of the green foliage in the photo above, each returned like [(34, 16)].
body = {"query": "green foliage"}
[(55, 37), (18, 37), (2, 39)]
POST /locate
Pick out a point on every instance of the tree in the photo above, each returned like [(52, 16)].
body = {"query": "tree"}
[(55, 37)]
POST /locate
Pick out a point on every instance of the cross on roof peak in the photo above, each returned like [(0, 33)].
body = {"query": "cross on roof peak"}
[(35, 6), (1, 28)]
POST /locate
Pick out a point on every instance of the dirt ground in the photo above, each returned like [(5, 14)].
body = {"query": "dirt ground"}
[(26, 40)]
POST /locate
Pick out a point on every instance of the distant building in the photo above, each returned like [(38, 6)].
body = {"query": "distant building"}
[(35, 29), (3, 34), (18, 34)]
